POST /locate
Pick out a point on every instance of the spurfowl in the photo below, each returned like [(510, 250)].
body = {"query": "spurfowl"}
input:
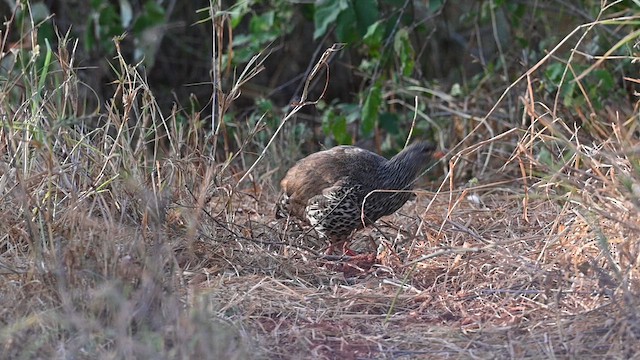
[(327, 189)]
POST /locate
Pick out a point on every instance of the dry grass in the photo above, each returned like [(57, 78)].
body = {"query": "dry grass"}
[(122, 238), (502, 287)]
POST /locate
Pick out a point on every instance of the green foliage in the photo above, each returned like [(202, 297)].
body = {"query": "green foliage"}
[(373, 38), (152, 15), (326, 13), (378, 33), (336, 119), (262, 28), (351, 18), (404, 51), (376, 29), (105, 25), (370, 109), (108, 21), (599, 85), (336, 125), (389, 122)]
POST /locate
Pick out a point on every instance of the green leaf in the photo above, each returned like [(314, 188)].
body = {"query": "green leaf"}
[(326, 14), (346, 30), (241, 39), (605, 80), (263, 29), (404, 50), (153, 15), (336, 125), (327, 119), (370, 110), (374, 35), (264, 105), (45, 66), (237, 12), (567, 92), (261, 23), (366, 14), (351, 111), (456, 90), (389, 122), (339, 130), (435, 5), (554, 72)]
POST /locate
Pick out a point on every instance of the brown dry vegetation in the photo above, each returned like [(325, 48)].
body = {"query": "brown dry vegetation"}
[(128, 240)]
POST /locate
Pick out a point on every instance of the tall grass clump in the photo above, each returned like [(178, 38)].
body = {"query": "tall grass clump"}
[(91, 234), (581, 148)]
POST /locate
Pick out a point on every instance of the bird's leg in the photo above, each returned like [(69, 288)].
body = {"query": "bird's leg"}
[(346, 250), (333, 243), (330, 249)]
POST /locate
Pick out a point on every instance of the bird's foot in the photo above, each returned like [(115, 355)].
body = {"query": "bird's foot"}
[(346, 250), (351, 266), (330, 250)]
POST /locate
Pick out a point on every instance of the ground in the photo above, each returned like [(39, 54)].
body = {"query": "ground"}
[(487, 273)]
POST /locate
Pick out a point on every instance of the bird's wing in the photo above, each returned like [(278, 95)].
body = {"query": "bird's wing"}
[(317, 172)]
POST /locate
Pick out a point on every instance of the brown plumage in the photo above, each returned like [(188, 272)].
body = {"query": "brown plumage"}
[(327, 188)]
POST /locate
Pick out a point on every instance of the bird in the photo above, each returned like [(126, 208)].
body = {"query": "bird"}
[(328, 189)]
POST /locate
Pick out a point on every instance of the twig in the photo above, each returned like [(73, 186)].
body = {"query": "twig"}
[(299, 105)]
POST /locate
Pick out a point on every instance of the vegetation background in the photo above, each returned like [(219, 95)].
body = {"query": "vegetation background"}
[(142, 142)]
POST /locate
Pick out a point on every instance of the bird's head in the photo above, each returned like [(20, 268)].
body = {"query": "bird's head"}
[(418, 154)]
